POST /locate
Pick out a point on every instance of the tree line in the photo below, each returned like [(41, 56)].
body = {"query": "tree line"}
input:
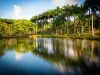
[(86, 17)]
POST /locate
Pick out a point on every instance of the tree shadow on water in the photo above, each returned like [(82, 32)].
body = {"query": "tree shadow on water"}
[(92, 68)]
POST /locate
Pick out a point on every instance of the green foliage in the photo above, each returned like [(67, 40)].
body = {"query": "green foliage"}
[(61, 18), (59, 21), (17, 27)]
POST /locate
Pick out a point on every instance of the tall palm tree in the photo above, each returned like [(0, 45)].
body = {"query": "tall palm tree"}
[(67, 12), (75, 13), (94, 5), (81, 16), (58, 22)]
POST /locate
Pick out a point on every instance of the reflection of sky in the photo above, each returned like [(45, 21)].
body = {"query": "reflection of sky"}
[(18, 56), (29, 64)]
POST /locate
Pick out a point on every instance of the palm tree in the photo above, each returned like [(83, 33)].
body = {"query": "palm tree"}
[(74, 13), (94, 6), (81, 16), (58, 22), (67, 12)]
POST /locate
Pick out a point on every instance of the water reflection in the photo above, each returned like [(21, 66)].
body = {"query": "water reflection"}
[(63, 56), (18, 56)]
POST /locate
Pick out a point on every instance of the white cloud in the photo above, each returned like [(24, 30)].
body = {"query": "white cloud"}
[(64, 2), (17, 11)]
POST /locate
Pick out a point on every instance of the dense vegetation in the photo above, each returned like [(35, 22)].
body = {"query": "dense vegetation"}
[(86, 19), (10, 27)]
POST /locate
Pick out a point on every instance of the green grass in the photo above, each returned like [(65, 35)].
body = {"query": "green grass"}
[(72, 36)]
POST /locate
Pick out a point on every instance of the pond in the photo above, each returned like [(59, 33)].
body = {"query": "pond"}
[(49, 56)]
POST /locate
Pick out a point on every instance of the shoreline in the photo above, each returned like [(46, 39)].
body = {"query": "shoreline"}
[(73, 36)]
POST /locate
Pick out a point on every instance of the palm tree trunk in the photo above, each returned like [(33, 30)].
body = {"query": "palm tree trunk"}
[(89, 26), (92, 25), (89, 21), (81, 29), (92, 52), (67, 26), (74, 26)]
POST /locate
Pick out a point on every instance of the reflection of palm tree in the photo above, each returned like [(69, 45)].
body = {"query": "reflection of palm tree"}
[(92, 52), (59, 60)]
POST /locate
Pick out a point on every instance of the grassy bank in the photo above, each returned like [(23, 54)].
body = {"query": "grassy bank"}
[(72, 36)]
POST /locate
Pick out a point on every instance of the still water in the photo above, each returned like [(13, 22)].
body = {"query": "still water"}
[(49, 56)]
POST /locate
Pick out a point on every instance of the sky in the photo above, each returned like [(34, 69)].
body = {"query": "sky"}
[(25, 9)]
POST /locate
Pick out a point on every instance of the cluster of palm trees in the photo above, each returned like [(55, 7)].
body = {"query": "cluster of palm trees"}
[(93, 6), (60, 18)]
